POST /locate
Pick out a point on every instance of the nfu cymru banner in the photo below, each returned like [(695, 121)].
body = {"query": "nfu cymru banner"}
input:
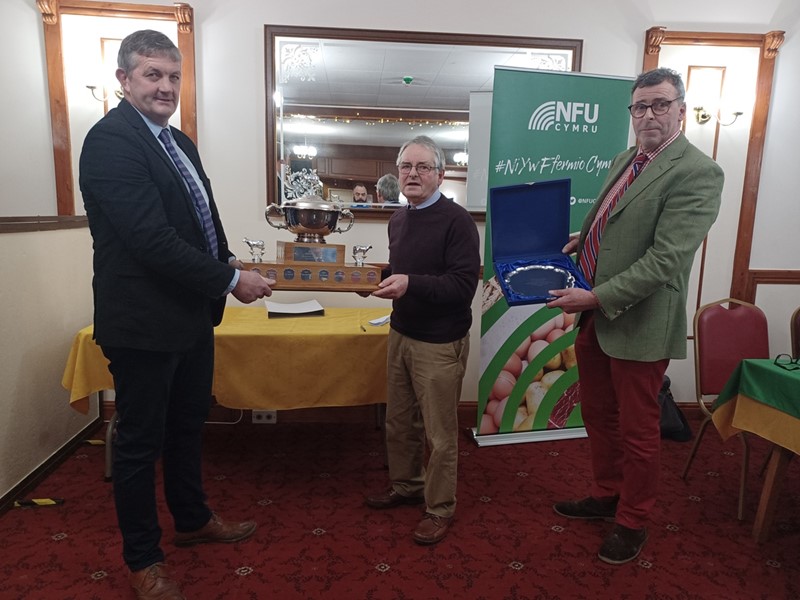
[(545, 126)]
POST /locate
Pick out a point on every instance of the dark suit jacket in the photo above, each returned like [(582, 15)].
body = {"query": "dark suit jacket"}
[(647, 249), (155, 286)]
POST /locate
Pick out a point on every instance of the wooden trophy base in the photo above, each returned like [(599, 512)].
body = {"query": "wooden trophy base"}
[(319, 277), (309, 266), (317, 267)]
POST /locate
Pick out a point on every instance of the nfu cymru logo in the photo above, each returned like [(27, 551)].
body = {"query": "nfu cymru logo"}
[(567, 117)]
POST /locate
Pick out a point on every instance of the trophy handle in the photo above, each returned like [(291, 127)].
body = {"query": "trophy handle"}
[(345, 213), (274, 208)]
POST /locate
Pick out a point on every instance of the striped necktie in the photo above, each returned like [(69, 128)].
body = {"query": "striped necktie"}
[(200, 204), (588, 259)]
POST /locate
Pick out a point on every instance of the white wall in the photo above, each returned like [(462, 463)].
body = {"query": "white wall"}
[(46, 297), (776, 243)]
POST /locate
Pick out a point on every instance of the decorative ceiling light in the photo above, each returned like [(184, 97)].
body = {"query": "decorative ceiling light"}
[(461, 158), (304, 151)]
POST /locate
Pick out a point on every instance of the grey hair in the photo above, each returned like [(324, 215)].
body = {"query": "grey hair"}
[(145, 42), (389, 188), (424, 140), (660, 75)]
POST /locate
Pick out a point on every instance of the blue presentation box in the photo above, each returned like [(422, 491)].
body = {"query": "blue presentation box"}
[(529, 227)]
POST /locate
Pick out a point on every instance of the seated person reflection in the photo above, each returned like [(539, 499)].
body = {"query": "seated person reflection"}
[(360, 196), (388, 190)]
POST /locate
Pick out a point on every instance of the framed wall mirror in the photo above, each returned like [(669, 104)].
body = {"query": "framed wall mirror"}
[(341, 102), (66, 109)]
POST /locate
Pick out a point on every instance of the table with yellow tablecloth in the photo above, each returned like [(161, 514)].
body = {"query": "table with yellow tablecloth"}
[(277, 363), (763, 398)]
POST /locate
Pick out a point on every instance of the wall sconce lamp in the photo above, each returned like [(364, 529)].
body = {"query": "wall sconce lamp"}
[(702, 116), (461, 158), (118, 93)]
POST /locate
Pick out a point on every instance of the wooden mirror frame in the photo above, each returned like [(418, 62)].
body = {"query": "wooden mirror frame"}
[(744, 280), (51, 11), (271, 32)]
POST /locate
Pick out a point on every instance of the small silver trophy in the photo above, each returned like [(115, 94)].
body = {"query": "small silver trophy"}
[(256, 249), (360, 253)]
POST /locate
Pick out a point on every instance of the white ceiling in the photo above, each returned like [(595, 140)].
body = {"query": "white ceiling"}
[(324, 76)]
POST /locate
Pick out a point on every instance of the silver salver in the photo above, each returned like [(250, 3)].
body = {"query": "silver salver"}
[(536, 280)]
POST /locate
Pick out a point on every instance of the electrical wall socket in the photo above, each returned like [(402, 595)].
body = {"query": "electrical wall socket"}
[(268, 417)]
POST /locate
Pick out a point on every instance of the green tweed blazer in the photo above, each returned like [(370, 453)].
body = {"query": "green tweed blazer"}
[(647, 248)]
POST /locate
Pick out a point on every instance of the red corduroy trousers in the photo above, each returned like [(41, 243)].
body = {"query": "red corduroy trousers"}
[(619, 405)]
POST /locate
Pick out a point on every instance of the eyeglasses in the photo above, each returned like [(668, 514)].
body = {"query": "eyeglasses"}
[(422, 168), (784, 361), (659, 107)]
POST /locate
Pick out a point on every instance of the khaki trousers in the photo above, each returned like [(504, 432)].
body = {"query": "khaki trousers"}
[(424, 387)]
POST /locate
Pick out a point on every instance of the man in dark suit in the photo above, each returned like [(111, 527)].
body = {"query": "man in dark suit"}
[(162, 270), (636, 246)]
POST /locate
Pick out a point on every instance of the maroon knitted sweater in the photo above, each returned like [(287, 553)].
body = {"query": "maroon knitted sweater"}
[(438, 248)]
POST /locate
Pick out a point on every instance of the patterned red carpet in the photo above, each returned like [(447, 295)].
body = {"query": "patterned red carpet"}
[(305, 483)]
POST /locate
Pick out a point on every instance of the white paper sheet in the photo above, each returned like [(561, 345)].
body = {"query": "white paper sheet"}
[(293, 309)]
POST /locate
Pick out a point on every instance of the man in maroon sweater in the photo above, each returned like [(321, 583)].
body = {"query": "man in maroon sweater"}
[(434, 265)]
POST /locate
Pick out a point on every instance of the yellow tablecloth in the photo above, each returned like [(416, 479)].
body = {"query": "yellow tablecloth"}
[(743, 413), (271, 364), (756, 399), (761, 398)]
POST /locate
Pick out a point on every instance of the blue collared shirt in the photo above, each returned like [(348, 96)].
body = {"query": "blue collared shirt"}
[(430, 201)]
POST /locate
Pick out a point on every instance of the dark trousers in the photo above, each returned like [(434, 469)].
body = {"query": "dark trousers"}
[(162, 401), (619, 406)]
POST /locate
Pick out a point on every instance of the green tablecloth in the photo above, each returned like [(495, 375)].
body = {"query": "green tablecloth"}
[(766, 382)]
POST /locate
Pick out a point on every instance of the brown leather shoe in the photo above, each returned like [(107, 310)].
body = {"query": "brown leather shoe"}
[(154, 583), (216, 530), (391, 498), (432, 529)]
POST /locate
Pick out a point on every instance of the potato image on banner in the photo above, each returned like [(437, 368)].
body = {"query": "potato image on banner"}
[(526, 425), (503, 385), (522, 350), (548, 379), (513, 365), (537, 346), (568, 357), (533, 397), (487, 425), (520, 417), (544, 329)]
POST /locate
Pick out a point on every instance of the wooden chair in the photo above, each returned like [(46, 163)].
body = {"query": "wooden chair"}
[(794, 329), (723, 337)]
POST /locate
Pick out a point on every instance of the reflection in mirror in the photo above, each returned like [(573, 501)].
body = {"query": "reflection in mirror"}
[(345, 100)]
